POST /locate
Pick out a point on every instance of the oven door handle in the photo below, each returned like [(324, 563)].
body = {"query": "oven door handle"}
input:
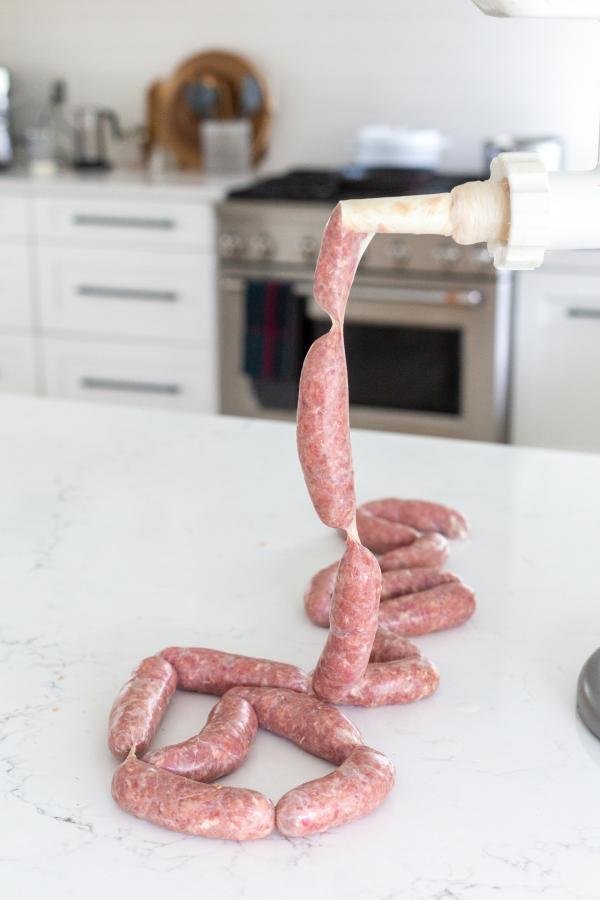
[(379, 294)]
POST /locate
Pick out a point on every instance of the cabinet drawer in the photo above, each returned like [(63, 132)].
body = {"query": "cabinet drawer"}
[(13, 215), (15, 303), (17, 364), (134, 293), (557, 365), (142, 376), (117, 222)]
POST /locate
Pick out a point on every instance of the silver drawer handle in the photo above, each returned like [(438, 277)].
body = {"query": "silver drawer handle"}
[(581, 312), (122, 222), (91, 382), (114, 293)]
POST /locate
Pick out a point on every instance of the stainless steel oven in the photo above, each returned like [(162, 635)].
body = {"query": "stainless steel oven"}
[(428, 326)]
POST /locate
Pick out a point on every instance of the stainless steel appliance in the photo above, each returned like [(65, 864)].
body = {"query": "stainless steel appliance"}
[(90, 129), (6, 148), (428, 327)]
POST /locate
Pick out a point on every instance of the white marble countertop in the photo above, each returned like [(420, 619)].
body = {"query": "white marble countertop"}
[(126, 182), (122, 531)]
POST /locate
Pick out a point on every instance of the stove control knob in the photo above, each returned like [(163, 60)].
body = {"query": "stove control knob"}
[(446, 254), (400, 253), (309, 248), (262, 246), (231, 245)]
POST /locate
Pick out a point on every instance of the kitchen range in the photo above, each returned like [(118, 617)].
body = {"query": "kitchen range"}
[(428, 329)]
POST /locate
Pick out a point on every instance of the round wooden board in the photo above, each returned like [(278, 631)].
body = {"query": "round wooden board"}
[(176, 125)]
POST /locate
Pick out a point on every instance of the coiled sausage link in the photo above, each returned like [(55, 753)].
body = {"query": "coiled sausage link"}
[(436, 609), (395, 583), (191, 807), (312, 724), (214, 672), (218, 749), (389, 523), (394, 681), (352, 623), (428, 550), (358, 787), (140, 706)]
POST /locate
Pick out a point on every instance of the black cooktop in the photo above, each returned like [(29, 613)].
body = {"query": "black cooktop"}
[(333, 185)]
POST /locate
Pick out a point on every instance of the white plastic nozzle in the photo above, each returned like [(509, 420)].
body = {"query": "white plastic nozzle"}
[(520, 212)]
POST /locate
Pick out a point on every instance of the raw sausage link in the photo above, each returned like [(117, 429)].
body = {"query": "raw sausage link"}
[(396, 681), (310, 723), (353, 623), (389, 646), (441, 607), (214, 672), (323, 431), (429, 550), (358, 787), (380, 534), (337, 263), (395, 583), (221, 746), (140, 705), (418, 514), (317, 598), (398, 582), (160, 797)]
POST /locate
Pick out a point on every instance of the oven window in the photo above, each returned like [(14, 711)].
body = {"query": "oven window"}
[(395, 367), (403, 368)]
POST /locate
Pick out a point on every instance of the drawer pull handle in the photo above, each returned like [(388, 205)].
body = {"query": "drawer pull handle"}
[(114, 293), (581, 312), (123, 222), (93, 383)]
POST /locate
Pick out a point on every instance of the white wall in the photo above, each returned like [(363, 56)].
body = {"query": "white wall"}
[(333, 64)]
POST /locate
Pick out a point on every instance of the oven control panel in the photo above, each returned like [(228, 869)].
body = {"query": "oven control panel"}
[(290, 234)]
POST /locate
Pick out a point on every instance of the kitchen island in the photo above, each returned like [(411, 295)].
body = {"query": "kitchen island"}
[(123, 531)]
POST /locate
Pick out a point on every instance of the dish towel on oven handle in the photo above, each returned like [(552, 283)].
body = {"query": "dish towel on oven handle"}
[(273, 337)]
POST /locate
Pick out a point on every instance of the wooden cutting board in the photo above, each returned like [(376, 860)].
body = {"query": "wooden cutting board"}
[(173, 122)]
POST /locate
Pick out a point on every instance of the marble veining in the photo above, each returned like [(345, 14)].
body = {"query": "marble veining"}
[(123, 531)]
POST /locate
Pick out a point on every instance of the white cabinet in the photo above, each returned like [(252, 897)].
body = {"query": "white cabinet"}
[(14, 220), (113, 221), (133, 293), (15, 294), (556, 385), (129, 373), (17, 364), (108, 291)]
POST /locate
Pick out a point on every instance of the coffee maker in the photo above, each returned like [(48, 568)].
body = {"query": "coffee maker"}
[(6, 148)]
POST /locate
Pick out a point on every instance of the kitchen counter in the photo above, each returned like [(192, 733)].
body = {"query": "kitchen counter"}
[(125, 182), (123, 531)]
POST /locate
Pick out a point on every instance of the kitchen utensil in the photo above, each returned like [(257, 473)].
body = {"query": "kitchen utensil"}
[(214, 85), (588, 694), (90, 127)]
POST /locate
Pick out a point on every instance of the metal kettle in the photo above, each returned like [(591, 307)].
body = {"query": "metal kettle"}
[(90, 128)]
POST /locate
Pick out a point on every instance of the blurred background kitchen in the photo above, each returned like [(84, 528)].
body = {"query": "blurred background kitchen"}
[(166, 170)]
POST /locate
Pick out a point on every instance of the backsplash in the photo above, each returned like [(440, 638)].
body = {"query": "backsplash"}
[(332, 67)]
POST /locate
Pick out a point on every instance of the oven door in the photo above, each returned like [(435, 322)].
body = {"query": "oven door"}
[(425, 359)]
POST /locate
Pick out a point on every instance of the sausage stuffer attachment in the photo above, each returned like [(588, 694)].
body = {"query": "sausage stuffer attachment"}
[(521, 211)]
